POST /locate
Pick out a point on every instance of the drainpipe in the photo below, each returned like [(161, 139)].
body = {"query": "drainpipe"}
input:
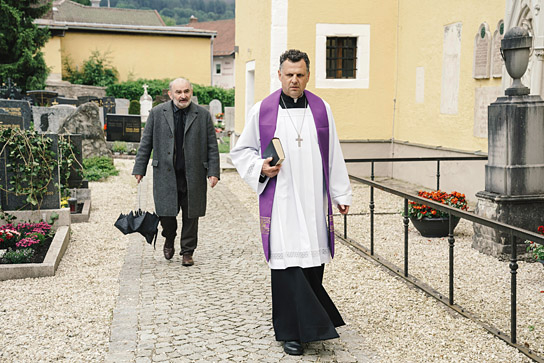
[(211, 61)]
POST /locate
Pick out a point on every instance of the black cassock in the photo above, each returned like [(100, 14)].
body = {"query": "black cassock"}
[(301, 308)]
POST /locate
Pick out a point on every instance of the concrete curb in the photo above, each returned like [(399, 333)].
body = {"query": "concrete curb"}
[(49, 264), (84, 215)]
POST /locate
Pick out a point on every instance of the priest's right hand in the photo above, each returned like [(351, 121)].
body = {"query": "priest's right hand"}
[(270, 171), (138, 177)]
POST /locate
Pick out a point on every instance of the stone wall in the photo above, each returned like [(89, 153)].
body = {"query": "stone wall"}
[(74, 90)]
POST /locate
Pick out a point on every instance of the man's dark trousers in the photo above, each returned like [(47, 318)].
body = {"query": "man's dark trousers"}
[(189, 228)]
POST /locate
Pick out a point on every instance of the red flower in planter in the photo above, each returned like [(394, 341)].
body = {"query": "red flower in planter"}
[(453, 199)]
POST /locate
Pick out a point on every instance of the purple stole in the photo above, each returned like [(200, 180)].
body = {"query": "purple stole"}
[(268, 117)]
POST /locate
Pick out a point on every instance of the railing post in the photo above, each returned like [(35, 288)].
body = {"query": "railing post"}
[(451, 241), (372, 211), (438, 175), (513, 288), (405, 237)]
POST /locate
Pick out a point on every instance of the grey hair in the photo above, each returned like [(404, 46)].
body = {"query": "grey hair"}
[(179, 79)]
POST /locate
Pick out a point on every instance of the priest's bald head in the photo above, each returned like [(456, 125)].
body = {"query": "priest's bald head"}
[(294, 72)]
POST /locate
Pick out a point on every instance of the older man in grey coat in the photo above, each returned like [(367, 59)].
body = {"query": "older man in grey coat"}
[(182, 137)]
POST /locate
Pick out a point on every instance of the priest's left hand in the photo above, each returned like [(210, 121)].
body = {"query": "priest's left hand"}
[(213, 181), (344, 209)]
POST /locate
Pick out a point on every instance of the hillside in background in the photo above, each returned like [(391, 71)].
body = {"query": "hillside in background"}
[(177, 12)]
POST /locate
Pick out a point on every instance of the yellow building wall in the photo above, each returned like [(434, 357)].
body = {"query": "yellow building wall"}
[(53, 56), (358, 113), (420, 44), (143, 56), (253, 19)]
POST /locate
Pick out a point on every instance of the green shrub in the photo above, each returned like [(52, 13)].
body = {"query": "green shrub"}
[(97, 71), (119, 147), (133, 90), (134, 107), (21, 255), (98, 168)]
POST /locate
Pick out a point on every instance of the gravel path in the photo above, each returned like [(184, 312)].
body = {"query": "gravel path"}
[(67, 317)]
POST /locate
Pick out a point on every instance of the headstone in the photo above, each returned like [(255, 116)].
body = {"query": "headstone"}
[(206, 107), (10, 201), (215, 108), (451, 66), (42, 98), (229, 119), (108, 106), (146, 104), (49, 119), (85, 99), (482, 53), (7, 120), (162, 98), (65, 101), (420, 85), (121, 106), (496, 58), (483, 97), (124, 128), (86, 121), (74, 145), (17, 108), (194, 99), (10, 91)]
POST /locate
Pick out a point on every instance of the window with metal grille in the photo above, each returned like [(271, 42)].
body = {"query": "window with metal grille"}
[(341, 57)]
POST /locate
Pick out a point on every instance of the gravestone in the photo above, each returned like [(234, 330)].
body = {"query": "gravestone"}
[(229, 119), (124, 128), (482, 53), (162, 98), (10, 91), (65, 101), (496, 58), (108, 106), (42, 98), (121, 106), (146, 104), (75, 178), (49, 119), (206, 107), (86, 121), (215, 108), (17, 108), (85, 99), (10, 201), (7, 120)]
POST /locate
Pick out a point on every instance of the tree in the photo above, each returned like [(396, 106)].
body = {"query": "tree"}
[(20, 42)]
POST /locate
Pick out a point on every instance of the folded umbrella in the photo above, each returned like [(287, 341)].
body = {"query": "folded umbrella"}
[(145, 223), (139, 221)]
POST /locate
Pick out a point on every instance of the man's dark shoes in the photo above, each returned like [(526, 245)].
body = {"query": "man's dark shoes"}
[(293, 347), (168, 249), (187, 260)]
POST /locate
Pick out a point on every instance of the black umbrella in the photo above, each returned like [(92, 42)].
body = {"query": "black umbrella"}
[(139, 221)]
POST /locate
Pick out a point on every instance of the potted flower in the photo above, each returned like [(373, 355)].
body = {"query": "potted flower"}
[(431, 222), (536, 250), (219, 118)]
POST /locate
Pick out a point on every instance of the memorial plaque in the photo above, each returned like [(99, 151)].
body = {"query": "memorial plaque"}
[(7, 120), (65, 101), (49, 119), (11, 201), (484, 96), (451, 68), (17, 108), (496, 58), (482, 53), (124, 128), (85, 99)]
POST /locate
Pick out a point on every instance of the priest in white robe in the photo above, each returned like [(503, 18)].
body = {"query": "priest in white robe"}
[(296, 200)]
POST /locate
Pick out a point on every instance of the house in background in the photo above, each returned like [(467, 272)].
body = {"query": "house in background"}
[(223, 69), (403, 78), (135, 42)]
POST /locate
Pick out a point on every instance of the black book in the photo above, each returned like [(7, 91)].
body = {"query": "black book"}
[(274, 150)]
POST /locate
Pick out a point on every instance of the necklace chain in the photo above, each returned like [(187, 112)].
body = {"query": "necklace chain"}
[(298, 139)]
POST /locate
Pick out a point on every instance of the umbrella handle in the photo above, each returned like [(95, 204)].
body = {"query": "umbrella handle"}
[(139, 195)]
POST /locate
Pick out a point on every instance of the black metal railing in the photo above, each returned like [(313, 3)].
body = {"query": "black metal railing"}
[(515, 233)]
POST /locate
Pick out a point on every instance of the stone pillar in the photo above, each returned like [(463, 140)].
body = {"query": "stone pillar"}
[(514, 174)]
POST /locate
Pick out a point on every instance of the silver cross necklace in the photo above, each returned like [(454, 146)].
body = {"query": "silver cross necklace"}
[(298, 139)]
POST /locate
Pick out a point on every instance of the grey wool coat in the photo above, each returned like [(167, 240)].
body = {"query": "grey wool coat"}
[(201, 157)]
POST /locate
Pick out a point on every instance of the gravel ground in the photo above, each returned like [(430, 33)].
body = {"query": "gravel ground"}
[(67, 317), (402, 324)]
